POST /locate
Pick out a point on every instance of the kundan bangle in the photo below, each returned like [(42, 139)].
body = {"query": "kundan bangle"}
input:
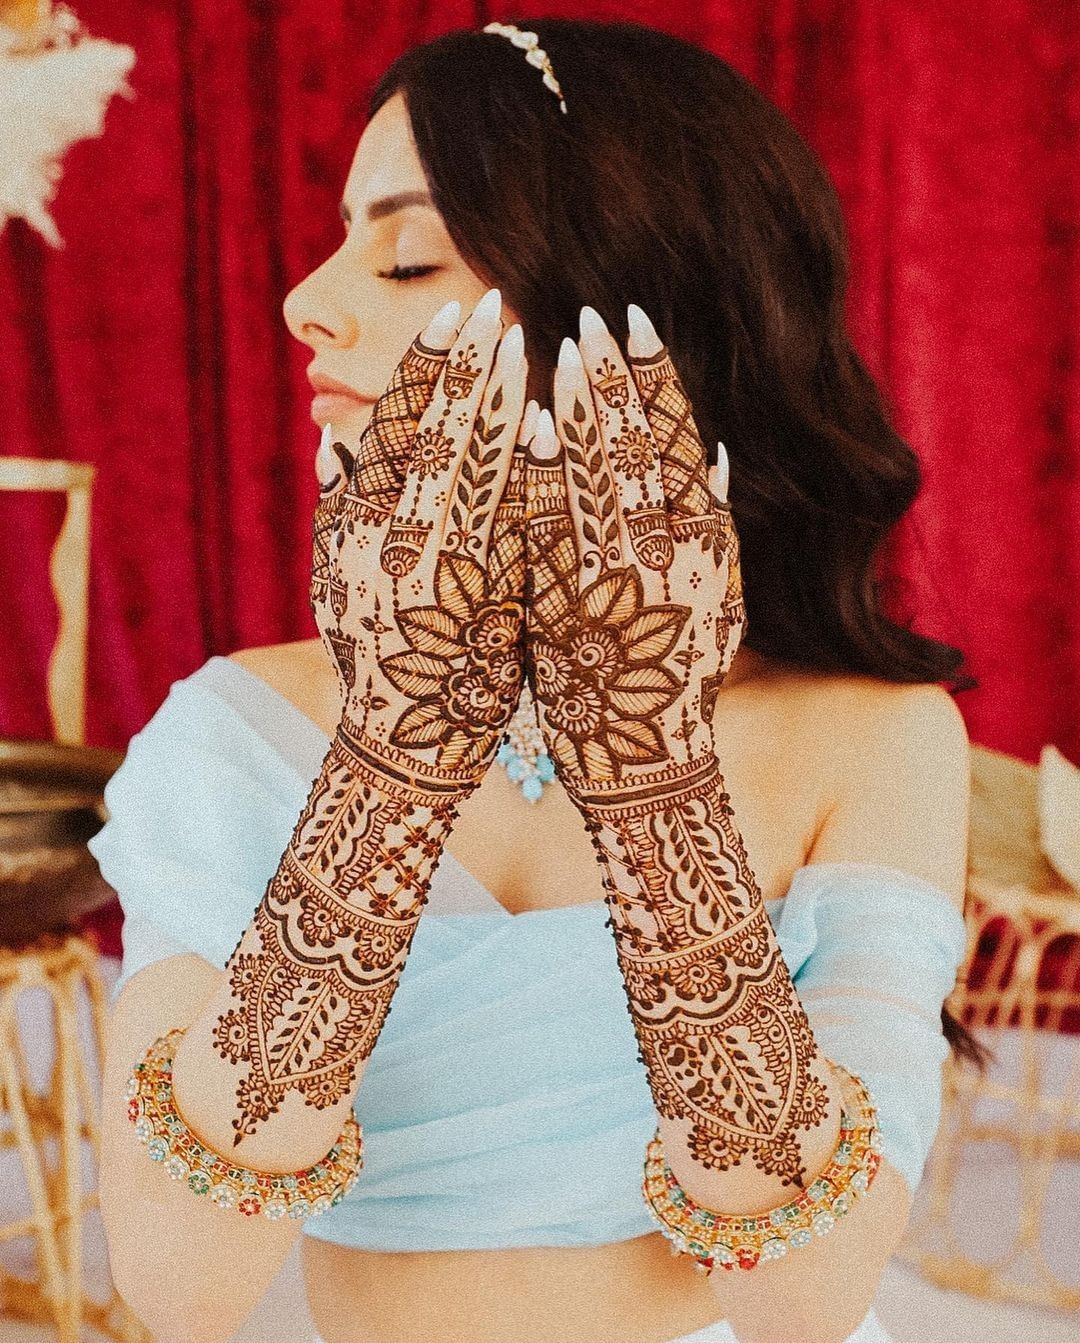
[(743, 1242), (303, 1193)]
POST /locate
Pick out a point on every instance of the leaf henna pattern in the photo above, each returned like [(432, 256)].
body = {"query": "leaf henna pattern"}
[(585, 459), (426, 637), (625, 681)]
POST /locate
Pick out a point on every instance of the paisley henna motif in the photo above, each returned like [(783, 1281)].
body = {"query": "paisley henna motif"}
[(417, 589), (626, 657)]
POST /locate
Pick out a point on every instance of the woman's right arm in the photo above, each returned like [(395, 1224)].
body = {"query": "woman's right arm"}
[(297, 1010), (417, 615)]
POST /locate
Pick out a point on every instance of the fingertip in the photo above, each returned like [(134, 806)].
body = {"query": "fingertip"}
[(591, 325), (441, 330), (642, 338), (528, 420), (490, 306), (325, 469), (545, 443), (512, 345), (569, 355), (719, 474)]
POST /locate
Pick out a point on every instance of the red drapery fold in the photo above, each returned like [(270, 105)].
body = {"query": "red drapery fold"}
[(153, 344)]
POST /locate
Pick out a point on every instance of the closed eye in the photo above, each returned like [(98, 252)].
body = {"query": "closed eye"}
[(406, 272)]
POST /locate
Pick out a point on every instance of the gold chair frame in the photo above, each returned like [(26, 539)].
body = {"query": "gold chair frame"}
[(69, 574), (66, 967), (1036, 1120)]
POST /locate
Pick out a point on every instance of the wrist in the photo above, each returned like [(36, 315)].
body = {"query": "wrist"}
[(643, 791), (398, 774)]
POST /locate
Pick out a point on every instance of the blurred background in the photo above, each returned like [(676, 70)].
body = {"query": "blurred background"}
[(169, 170)]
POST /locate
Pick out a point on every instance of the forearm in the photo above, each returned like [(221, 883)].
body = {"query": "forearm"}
[(268, 1071), (748, 1107)]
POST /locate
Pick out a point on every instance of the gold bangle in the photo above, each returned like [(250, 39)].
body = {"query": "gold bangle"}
[(735, 1241), (309, 1192)]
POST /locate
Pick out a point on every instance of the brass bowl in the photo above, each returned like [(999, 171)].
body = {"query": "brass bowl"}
[(51, 803)]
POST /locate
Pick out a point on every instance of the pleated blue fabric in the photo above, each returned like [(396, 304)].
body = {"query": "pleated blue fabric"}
[(504, 1103)]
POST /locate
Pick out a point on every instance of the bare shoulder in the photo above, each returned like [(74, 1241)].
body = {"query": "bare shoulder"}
[(300, 671), (901, 762)]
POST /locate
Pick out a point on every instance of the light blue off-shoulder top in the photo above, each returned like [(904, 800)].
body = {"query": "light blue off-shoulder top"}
[(504, 1103)]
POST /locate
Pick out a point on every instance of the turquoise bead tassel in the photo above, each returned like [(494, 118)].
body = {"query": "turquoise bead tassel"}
[(522, 752)]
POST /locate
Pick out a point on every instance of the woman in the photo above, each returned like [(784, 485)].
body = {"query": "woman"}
[(507, 1100)]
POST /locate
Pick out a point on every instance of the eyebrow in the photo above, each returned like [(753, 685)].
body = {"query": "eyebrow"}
[(387, 205)]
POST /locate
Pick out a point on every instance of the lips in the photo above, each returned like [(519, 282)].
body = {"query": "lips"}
[(321, 383)]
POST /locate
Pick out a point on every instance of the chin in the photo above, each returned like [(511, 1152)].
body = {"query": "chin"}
[(348, 422)]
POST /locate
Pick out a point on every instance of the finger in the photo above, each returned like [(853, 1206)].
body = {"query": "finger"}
[(485, 468), (593, 499), (442, 438), (683, 466), (332, 473), (382, 457), (719, 475), (333, 463), (504, 559), (551, 542), (629, 446), (506, 546), (553, 569)]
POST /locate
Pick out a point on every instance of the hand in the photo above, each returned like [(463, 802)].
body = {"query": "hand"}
[(634, 613), (419, 554), (635, 604)]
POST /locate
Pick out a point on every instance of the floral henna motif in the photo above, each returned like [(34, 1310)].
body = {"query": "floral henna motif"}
[(627, 652), (428, 685), (603, 677), (588, 470), (462, 667), (632, 454), (432, 452), (474, 491)]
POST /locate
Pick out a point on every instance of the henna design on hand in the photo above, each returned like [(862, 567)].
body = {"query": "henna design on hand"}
[(625, 682), (432, 506)]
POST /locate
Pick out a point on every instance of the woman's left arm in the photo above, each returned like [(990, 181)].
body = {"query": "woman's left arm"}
[(901, 799), (627, 648)]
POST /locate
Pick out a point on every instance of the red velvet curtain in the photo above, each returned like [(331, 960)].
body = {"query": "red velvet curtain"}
[(153, 344)]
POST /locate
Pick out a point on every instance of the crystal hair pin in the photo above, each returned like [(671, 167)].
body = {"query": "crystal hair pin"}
[(534, 54)]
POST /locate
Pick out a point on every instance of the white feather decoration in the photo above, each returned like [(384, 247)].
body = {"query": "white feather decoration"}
[(50, 97)]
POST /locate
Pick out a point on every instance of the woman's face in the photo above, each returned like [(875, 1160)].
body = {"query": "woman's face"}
[(395, 268)]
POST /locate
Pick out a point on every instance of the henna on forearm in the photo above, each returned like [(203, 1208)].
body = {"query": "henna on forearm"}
[(417, 591), (723, 1036), (334, 928), (633, 614)]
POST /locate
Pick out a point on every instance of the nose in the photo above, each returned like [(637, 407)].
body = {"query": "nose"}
[(314, 318), (342, 335)]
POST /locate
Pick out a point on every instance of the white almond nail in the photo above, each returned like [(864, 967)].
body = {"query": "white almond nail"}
[(441, 330), (326, 464), (512, 346), (720, 473), (591, 324), (545, 444), (642, 339), (490, 306), (569, 356), (528, 420)]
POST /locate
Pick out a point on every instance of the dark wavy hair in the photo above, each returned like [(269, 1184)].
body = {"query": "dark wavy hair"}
[(672, 182)]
